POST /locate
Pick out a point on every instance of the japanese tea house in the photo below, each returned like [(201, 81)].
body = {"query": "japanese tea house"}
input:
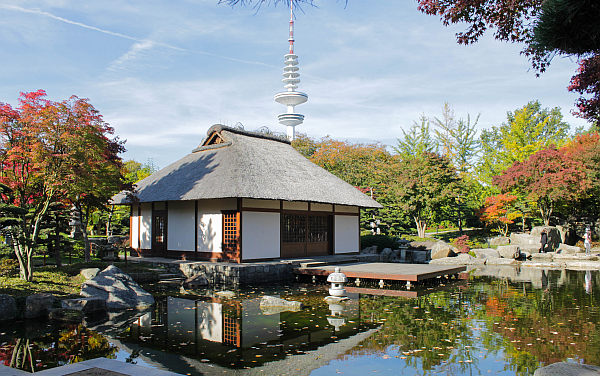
[(243, 196)]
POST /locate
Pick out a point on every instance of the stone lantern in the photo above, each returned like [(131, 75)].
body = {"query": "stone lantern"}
[(75, 224), (337, 280), (336, 320)]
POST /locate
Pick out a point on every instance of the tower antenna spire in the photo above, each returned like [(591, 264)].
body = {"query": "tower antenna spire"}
[(291, 98), (291, 38)]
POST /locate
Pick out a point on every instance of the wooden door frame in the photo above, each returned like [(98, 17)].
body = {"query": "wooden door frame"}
[(165, 216)]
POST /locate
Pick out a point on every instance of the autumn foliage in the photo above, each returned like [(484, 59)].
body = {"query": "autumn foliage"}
[(495, 212), (51, 152), (548, 177)]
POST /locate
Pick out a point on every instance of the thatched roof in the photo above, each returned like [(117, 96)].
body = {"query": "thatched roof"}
[(235, 163)]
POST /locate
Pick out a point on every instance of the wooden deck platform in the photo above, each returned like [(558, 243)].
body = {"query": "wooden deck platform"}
[(385, 271)]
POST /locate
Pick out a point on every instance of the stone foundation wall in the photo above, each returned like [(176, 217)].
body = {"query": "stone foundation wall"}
[(233, 274)]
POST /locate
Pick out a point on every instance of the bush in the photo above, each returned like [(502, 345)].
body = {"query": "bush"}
[(462, 243), (8, 267), (6, 251), (381, 241)]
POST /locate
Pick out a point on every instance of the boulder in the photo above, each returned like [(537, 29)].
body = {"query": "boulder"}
[(197, 280), (68, 316), (389, 255), (89, 273), (530, 248), (523, 239), (575, 256), (500, 261), (554, 235), (542, 256), (420, 257), (509, 251), (117, 289), (8, 307), (370, 250), (84, 304), (563, 248), (271, 305), (38, 305), (500, 240), (426, 245), (442, 249), (568, 369), (486, 253), (563, 231), (462, 259)]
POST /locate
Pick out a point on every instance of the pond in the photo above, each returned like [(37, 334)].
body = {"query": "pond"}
[(484, 324)]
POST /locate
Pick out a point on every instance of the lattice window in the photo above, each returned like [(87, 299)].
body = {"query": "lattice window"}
[(159, 229), (230, 229), (294, 228), (231, 331), (318, 228)]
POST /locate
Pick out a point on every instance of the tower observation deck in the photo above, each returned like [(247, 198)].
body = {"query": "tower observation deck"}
[(291, 98)]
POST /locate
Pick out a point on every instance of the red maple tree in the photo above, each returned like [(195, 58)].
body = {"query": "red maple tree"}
[(548, 177)]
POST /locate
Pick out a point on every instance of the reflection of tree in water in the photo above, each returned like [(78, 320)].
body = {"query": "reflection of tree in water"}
[(426, 330), (514, 322), (131, 358), (71, 345), (544, 326)]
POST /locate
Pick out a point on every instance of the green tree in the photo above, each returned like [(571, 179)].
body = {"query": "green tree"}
[(134, 171), (526, 131), (417, 140), (422, 187), (458, 139)]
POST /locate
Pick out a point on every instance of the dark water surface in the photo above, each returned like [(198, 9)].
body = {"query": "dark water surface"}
[(510, 322)]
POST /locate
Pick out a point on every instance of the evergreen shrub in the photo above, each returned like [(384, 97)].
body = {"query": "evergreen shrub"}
[(381, 241), (8, 267)]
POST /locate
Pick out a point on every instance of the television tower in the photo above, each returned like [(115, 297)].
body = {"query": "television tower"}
[(291, 98)]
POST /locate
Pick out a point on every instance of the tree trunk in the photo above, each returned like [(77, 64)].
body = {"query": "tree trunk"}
[(86, 241), (109, 221), (57, 243), (460, 229), (421, 226)]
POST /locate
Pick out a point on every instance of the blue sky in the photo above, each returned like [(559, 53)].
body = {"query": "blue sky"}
[(162, 72)]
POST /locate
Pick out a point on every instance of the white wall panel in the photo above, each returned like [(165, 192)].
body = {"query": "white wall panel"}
[(135, 228), (210, 223), (260, 235), (181, 222), (146, 226), (346, 234)]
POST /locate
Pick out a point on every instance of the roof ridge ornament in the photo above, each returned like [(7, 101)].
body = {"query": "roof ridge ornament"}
[(291, 98)]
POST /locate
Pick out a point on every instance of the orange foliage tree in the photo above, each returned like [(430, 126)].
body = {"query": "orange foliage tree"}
[(495, 212)]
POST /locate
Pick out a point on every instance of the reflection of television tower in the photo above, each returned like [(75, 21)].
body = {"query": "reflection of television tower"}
[(291, 98)]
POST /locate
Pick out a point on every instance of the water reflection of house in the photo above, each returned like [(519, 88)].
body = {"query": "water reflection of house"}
[(242, 196), (236, 333), (213, 335)]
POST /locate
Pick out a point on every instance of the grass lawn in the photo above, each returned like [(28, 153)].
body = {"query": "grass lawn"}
[(63, 282)]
